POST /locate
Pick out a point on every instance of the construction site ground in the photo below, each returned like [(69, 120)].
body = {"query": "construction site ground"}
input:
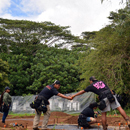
[(114, 122)]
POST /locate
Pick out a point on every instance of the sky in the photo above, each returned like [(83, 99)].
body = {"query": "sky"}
[(80, 15)]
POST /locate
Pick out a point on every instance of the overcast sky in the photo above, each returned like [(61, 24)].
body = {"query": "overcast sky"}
[(80, 15)]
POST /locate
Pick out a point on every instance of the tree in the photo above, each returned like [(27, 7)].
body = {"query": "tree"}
[(110, 58), (29, 74), (18, 76), (27, 47), (52, 64), (4, 70), (15, 35)]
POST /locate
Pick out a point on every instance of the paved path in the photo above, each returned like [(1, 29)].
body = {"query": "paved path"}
[(75, 127)]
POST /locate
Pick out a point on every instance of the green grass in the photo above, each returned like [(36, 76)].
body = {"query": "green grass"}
[(112, 112), (75, 114), (20, 114)]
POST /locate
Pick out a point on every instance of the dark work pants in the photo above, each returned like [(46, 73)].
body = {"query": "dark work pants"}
[(5, 114)]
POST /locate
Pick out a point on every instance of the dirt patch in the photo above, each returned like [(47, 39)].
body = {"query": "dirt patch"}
[(59, 114), (26, 122)]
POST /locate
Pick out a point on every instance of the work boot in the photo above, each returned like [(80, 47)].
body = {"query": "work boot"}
[(3, 121), (104, 127), (128, 122)]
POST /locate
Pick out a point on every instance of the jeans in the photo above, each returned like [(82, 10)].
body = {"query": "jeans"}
[(88, 119), (5, 114)]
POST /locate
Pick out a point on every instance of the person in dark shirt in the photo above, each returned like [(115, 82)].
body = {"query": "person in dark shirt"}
[(102, 90), (87, 116), (46, 94)]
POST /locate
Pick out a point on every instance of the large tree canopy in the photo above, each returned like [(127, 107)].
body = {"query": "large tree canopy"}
[(26, 46), (50, 64), (29, 74), (15, 35)]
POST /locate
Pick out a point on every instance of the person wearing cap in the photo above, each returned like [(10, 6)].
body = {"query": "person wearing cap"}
[(106, 97), (6, 99), (45, 95), (88, 116)]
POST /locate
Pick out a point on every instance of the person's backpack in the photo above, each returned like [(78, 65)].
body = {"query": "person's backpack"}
[(109, 95), (39, 105), (4, 108), (118, 97), (35, 104), (1, 101), (83, 122), (0, 105), (42, 107), (102, 105)]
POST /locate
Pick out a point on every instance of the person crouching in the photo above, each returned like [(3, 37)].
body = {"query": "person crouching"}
[(86, 117)]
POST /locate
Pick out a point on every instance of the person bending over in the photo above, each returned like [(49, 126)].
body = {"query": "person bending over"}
[(45, 95)]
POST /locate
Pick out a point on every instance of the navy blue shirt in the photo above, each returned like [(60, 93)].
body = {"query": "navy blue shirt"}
[(97, 87), (88, 112), (48, 92)]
